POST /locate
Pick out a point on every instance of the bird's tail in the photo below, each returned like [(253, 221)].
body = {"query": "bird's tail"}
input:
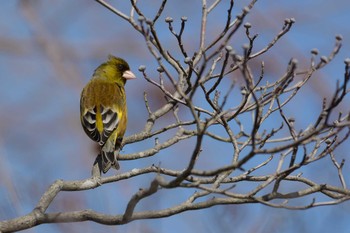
[(109, 154)]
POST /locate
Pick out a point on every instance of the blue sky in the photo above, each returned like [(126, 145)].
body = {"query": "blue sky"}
[(48, 51)]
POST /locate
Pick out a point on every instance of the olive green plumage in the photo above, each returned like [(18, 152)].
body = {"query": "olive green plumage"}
[(103, 110)]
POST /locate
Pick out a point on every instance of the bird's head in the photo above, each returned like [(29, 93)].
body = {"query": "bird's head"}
[(116, 69)]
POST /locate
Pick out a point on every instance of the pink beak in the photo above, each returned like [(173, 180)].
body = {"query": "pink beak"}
[(128, 75)]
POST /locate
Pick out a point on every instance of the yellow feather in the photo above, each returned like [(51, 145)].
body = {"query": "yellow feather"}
[(99, 123)]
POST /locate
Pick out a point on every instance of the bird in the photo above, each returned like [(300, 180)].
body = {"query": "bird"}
[(103, 109)]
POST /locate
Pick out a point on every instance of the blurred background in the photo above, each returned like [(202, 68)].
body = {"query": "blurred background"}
[(48, 52)]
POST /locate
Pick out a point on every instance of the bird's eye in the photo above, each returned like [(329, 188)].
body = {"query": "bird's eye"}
[(121, 67)]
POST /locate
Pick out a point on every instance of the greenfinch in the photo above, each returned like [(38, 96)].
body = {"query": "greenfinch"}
[(103, 110)]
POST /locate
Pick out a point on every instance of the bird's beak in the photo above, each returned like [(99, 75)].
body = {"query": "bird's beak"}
[(128, 75)]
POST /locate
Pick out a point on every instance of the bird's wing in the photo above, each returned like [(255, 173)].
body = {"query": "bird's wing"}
[(110, 121), (100, 122), (102, 110), (88, 120)]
